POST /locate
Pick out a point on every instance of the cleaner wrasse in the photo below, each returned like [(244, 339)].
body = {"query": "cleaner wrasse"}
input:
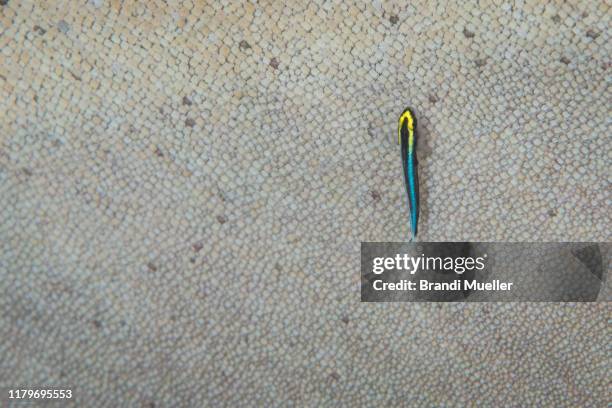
[(407, 139)]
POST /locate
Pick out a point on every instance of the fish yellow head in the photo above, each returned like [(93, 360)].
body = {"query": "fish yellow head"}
[(406, 117)]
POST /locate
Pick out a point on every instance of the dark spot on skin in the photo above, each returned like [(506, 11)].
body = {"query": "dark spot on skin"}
[(345, 319), (187, 101), (221, 219), (75, 76), (556, 19), (375, 195), (335, 376), (370, 130), (192, 260), (481, 62), (97, 324), (151, 266), (394, 19), (433, 98), (244, 45), (39, 30), (592, 34), (274, 63), (565, 60), (63, 26), (189, 122), (197, 247), (552, 213), (468, 34), (158, 152)]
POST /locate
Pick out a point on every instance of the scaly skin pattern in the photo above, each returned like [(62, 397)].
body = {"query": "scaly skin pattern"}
[(184, 186), (407, 140)]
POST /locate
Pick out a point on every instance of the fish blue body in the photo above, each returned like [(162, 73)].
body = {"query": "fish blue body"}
[(407, 139)]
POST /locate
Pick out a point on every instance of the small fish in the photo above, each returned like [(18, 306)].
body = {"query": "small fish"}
[(407, 138)]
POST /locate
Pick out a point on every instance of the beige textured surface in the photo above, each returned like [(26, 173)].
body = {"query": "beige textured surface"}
[(184, 187)]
